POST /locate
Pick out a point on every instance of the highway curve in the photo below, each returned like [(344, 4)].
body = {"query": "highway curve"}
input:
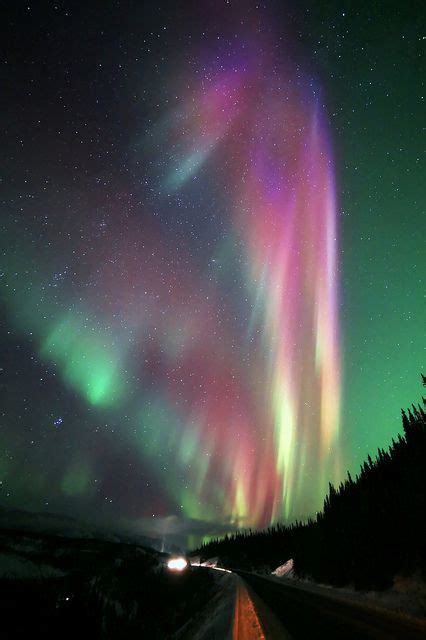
[(307, 616)]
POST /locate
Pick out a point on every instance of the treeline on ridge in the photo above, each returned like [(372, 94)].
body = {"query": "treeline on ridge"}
[(371, 528)]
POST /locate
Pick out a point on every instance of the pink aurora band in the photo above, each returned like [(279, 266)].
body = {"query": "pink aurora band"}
[(245, 415), (268, 428)]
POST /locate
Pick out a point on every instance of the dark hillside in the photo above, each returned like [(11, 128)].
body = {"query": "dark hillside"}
[(67, 587)]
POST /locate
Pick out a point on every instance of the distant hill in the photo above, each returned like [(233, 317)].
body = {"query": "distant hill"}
[(58, 578), (68, 527)]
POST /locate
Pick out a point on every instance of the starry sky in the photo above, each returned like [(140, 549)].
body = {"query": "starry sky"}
[(211, 273)]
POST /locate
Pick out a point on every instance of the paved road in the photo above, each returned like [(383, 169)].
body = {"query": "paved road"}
[(310, 616), (252, 619)]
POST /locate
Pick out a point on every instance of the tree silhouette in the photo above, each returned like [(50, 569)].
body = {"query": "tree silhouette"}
[(369, 530)]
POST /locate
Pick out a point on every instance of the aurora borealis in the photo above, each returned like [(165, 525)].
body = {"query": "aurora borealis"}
[(210, 277)]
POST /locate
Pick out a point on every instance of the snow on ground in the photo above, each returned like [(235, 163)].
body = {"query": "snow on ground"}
[(211, 562), (407, 597), (26, 545), (214, 622), (285, 570), (64, 526), (14, 566)]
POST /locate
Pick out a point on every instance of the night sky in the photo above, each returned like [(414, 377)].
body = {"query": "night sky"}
[(211, 275)]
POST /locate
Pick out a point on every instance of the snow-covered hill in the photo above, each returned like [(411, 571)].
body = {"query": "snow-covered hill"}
[(61, 525)]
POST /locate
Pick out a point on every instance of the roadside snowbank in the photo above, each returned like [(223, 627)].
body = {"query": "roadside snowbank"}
[(285, 570), (407, 596)]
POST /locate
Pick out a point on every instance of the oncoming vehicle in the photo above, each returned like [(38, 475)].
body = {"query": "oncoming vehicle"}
[(177, 563)]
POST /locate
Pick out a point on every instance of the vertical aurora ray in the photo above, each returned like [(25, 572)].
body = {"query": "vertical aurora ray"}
[(289, 219)]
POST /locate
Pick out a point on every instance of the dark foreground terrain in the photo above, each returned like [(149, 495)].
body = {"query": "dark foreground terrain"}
[(56, 587), (315, 616)]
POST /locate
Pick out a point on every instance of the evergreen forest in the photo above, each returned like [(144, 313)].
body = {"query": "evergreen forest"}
[(371, 528)]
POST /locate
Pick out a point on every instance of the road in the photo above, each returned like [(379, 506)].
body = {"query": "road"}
[(252, 619), (268, 610)]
